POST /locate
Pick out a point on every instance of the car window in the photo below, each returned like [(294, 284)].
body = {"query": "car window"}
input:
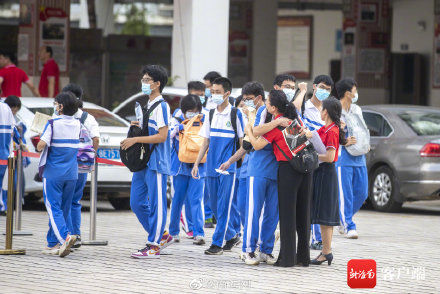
[(374, 123), (423, 123), (104, 118)]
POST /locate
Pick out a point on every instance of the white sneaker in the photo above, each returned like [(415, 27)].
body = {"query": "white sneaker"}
[(65, 248), (267, 258), (242, 256), (277, 236), (55, 250), (352, 234), (199, 240), (176, 238), (341, 230), (251, 259)]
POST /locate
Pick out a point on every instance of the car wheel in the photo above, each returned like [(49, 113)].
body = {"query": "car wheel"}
[(384, 190), (119, 203)]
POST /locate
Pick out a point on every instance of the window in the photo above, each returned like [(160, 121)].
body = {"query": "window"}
[(423, 123), (377, 125)]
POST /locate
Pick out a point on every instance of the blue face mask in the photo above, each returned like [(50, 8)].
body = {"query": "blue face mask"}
[(355, 98), (146, 89), (207, 92), (217, 99), (250, 104), (290, 93), (202, 99), (55, 110), (322, 94)]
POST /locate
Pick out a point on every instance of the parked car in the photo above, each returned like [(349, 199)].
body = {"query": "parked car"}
[(404, 161), (112, 180), (171, 94)]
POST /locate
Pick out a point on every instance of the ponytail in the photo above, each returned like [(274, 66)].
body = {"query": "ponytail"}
[(334, 110), (278, 99)]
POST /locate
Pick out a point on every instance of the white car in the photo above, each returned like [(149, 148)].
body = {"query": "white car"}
[(171, 94), (112, 179)]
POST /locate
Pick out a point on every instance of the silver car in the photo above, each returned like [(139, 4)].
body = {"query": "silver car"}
[(404, 161)]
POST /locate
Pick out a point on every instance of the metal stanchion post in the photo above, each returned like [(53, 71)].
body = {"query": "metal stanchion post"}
[(93, 201), (10, 211), (19, 194)]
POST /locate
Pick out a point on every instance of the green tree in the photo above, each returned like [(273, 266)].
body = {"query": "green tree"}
[(136, 23)]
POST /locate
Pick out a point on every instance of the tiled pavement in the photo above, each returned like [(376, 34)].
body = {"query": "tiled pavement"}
[(406, 247)]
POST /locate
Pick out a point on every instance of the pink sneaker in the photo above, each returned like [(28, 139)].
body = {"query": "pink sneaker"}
[(190, 235), (166, 240), (150, 251)]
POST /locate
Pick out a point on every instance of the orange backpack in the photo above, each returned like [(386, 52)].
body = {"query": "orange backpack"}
[(189, 140)]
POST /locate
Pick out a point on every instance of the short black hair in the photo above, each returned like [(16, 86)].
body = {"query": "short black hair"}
[(49, 50), (343, 86), (253, 88), (279, 79), (13, 101), (196, 85), (323, 79), (69, 102), (190, 102), (224, 82), (212, 76), (158, 73), (9, 55), (77, 90)]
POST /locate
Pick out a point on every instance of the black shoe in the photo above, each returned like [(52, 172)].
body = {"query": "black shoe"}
[(214, 250), (214, 220), (209, 224), (316, 246), (328, 258), (2, 213), (77, 243), (231, 243)]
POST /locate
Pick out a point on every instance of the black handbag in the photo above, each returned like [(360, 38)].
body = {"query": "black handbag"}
[(304, 159), (137, 156)]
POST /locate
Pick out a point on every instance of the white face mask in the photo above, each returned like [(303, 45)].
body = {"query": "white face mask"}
[(217, 99), (190, 114), (290, 93), (250, 104)]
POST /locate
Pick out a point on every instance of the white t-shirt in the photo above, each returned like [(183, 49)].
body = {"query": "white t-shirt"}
[(90, 123)]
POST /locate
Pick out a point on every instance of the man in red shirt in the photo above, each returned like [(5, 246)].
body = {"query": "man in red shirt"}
[(50, 76), (11, 77)]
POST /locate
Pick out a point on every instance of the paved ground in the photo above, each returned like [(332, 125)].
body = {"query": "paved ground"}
[(405, 247)]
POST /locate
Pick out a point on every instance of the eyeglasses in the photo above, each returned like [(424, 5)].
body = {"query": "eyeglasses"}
[(288, 87), (146, 80)]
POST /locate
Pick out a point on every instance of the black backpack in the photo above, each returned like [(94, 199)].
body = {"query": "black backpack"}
[(306, 159), (234, 127), (137, 156)]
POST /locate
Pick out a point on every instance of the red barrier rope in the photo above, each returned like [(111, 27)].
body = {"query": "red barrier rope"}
[(37, 155)]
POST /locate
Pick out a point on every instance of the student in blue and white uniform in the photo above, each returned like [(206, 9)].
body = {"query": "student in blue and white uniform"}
[(148, 195), (220, 137), (60, 140), (92, 127), (311, 115), (352, 170), (7, 123), (15, 104), (186, 189), (209, 79)]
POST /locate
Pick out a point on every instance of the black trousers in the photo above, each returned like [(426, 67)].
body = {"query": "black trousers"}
[(294, 201)]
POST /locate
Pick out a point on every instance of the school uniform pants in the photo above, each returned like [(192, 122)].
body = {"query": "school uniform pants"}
[(74, 223), (148, 200), (3, 196), (242, 193), (237, 210), (207, 210), (186, 213), (190, 191), (259, 225), (4, 190), (353, 191), (221, 193), (294, 201), (58, 195)]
